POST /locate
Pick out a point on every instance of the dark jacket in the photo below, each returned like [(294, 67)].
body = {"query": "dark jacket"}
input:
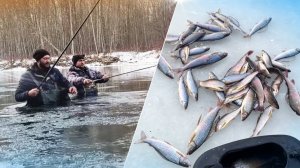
[(76, 76), (33, 77)]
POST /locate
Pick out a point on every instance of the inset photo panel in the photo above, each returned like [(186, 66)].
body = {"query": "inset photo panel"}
[(74, 77), (226, 89)]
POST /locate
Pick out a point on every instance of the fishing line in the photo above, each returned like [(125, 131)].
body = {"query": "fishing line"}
[(68, 44)]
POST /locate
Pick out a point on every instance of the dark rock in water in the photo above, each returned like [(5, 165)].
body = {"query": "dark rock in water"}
[(106, 60)]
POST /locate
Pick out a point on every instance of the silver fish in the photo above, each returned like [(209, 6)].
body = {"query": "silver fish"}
[(220, 94), (184, 54), (263, 69), (265, 57), (248, 104), (198, 50), (190, 39), (259, 90), (287, 54), (276, 84), (242, 84), (165, 67), (183, 96), (214, 36), (211, 27), (191, 85), (192, 27), (201, 61), (166, 150), (260, 25), (292, 95), (235, 96), (279, 65), (219, 22), (202, 130), (270, 96), (262, 120), (237, 67), (226, 119), (234, 78), (213, 84)]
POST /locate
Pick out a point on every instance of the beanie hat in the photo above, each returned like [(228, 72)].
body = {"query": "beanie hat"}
[(40, 53), (76, 58)]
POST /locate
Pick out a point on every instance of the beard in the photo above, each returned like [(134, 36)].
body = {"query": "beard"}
[(44, 66)]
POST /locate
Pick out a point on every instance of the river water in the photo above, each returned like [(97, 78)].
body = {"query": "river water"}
[(93, 132)]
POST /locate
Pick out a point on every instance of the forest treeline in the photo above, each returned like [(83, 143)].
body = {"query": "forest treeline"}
[(115, 25)]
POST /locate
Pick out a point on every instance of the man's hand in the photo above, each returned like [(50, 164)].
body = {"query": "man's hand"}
[(33, 92), (105, 78), (73, 90), (87, 82)]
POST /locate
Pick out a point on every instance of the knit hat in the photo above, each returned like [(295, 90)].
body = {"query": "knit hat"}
[(76, 58), (40, 53)]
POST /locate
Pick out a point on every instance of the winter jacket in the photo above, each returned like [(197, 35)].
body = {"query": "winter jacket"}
[(76, 76), (54, 82)]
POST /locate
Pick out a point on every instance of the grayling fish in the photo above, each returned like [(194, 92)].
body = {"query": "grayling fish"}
[(191, 85), (166, 150), (234, 78), (213, 84), (248, 104), (183, 96), (241, 85), (292, 95), (214, 36), (226, 119), (260, 25), (211, 27), (202, 130), (190, 39), (262, 120), (237, 67), (280, 66), (287, 54), (270, 96), (201, 61), (198, 50), (259, 90), (276, 84), (220, 94), (165, 67)]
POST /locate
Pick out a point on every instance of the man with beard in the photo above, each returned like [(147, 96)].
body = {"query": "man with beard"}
[(83, 78), (53, 91)]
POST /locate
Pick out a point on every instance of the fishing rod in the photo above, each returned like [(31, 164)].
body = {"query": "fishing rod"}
[(95, 81), (68, 44)]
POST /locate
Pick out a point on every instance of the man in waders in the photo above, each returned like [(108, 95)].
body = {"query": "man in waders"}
[(83, 78), (53, 91)]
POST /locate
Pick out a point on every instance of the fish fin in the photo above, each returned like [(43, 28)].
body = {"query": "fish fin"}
[(199, 120), (143, 137), (192, 137)]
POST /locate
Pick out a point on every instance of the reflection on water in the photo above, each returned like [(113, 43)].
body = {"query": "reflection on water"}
[(93, 132)]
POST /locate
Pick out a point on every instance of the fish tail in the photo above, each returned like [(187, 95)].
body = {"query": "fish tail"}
[(178, 71), (143, 137)]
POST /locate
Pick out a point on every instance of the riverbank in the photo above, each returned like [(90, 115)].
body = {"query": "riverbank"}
[(93, 59)]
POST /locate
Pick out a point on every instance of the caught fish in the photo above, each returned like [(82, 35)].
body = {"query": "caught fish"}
[(190, 39), (165, 67), (201, 61), (214, 36), (287, 54), (259, 90), (211, 27), (276, 84), (192, 27), (219, 22), (166, 150), (241, 85), (262, 120), (238, 66), (292, 95), (184, 54), (183, 96), (191, 85), (248, 104), (220, 94), (266, 59), (202, 130), (263, 69), (171, 38), (198, 50), (259, 26), (270, 96), (235, 96), (234, 78), (252, 64), (226, 119), (213, 84), (280, 66)]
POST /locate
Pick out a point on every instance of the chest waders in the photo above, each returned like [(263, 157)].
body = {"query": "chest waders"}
[(55, 94)]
